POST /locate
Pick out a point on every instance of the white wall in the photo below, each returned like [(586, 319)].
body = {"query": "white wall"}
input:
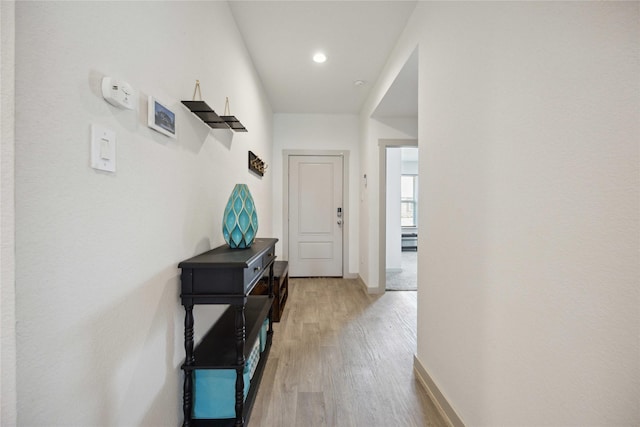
[(100, 325), (393, 228), (371, 132), (410, 167), (7, 216), (529, 244), (317, 132)]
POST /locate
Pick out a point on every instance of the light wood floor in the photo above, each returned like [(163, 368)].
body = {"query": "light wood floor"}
[(340, 358)]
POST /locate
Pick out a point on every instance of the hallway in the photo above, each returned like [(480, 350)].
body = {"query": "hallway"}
[(343, 358)]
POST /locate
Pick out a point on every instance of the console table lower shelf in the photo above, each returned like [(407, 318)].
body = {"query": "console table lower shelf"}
[(251, 397), (218, 350)]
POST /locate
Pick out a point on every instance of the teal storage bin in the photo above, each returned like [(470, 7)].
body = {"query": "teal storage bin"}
[(263, 334), (215, 392), (215, 389), (254, 358)]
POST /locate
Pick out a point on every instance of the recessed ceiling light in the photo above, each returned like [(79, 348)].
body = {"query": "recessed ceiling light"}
[(319, 57)]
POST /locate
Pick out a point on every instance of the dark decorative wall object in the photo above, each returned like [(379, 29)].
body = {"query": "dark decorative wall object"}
[(207, 115), (256, 164)]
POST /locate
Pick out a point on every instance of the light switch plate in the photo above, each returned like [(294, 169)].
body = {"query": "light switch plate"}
[(103, 148)]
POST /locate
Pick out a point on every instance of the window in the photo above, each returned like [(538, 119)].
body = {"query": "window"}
[(409, 200)]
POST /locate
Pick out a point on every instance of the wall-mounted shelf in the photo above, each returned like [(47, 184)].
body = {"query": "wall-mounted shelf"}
[(234, 123), (206, 114), (213, 120)]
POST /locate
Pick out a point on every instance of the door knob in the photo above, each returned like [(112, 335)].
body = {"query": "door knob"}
[(339, 222)]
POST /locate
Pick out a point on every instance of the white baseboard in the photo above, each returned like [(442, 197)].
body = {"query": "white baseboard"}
[(350, 276), (375, 291), (368, 290), (364, 285), (443, 405)]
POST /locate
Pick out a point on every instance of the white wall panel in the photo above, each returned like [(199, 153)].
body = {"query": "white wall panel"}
[(100, 325), (529, 208), (309, 132)]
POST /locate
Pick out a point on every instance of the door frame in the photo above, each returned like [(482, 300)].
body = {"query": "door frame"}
[(383, 144), (345, 200)]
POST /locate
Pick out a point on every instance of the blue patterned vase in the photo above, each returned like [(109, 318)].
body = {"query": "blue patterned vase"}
[(240, 220)]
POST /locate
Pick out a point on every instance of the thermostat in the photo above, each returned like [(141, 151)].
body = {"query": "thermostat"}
[(118, 93)]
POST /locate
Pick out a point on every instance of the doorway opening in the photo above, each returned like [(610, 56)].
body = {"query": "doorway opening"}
[(399, 215)]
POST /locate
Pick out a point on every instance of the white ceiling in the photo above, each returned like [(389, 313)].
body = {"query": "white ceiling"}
[(356, 36)]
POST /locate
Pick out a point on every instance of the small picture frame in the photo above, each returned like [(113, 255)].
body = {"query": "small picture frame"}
[(161, 118)]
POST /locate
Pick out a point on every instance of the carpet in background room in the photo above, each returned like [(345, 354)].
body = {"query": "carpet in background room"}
[(406, 279)]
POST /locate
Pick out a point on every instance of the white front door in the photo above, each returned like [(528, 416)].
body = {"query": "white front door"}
[(315, 216)]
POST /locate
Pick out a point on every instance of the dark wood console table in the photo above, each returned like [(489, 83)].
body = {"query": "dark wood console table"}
[(227, 276), (280, 287)]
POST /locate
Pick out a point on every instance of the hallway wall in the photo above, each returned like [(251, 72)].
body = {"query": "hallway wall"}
[(7, 216), (393, 209), (100, 336), (530, 210), (338, 132)]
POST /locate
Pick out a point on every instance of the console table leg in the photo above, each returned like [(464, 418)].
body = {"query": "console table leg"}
[(271, 295), (187, 403), (240, 361)]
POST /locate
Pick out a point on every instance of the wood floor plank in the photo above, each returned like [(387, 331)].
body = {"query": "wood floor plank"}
[(310, 410), (343, 358)]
